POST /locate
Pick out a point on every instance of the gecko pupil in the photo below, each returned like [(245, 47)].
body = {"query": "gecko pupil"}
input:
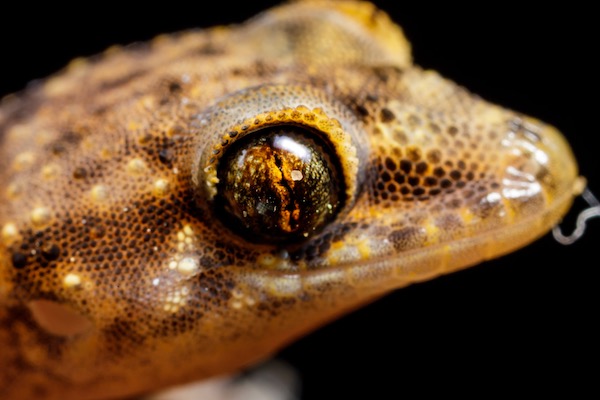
[(279, 184)]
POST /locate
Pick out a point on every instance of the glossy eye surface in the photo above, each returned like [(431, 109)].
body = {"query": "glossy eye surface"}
[(279, 185)]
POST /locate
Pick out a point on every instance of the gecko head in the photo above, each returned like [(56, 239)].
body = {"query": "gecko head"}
[(208, 219), (425, 187)]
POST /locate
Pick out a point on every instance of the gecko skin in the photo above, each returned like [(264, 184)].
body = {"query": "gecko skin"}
[(152, 231)]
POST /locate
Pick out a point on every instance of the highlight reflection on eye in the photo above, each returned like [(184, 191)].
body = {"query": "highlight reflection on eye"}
[(279, 184)]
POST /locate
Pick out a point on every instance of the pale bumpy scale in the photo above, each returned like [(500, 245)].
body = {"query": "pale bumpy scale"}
[(115, 276)]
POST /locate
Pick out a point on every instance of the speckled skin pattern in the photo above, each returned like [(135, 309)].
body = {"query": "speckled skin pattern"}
[(117, 276)]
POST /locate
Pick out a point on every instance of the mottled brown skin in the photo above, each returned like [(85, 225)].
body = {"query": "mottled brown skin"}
[(117, 276)]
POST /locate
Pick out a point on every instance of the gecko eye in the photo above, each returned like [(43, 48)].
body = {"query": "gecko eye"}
[(277, 164), (279, 184)]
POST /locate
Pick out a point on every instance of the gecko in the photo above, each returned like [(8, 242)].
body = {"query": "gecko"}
[(120, 260)]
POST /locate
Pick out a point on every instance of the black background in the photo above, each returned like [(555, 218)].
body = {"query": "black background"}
[(522, 324)]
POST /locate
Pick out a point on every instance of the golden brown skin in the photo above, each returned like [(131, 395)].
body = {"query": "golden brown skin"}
[(117, 277)]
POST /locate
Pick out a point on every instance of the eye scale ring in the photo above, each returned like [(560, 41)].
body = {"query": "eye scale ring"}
[(279, 184), (266, 193)]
